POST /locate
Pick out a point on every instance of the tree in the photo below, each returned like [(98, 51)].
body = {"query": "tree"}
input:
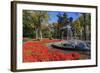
[(78, 28), (65, 19), (39, 18), (62, 21), (59, 25), (70, 19), (82, 26), (27, 21), (32, 22), (87, 25), (55, 27), (71, 24)]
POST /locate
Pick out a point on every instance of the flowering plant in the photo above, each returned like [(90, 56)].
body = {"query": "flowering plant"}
[(37, 52)]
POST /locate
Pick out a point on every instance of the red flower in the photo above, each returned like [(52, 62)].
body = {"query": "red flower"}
[(29, 59), (37, 52), (75, 55)]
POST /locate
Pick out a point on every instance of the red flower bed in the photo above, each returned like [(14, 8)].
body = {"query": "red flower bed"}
[(48, 41), (37, 52)]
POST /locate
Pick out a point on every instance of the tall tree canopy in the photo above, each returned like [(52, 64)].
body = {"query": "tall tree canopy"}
[(35, 19)]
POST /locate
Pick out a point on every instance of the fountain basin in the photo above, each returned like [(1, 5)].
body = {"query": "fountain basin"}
[(75, 45)]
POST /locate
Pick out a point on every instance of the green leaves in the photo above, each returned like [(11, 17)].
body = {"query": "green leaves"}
[(33, 20)]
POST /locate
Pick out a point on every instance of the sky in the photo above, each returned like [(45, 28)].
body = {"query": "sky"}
[(54, 18)]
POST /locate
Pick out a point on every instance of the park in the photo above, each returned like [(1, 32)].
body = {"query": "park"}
[(56, 36)]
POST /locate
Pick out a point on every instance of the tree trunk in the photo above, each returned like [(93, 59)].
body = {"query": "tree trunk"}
[(62, 35), (84, 26), (37, 36), (41, 34)]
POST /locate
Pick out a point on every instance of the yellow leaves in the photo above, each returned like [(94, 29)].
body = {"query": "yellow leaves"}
[(77, 25)]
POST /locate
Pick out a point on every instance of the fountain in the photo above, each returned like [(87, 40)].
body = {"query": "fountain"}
[(69, 33), (72, 44), (76, 45)]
